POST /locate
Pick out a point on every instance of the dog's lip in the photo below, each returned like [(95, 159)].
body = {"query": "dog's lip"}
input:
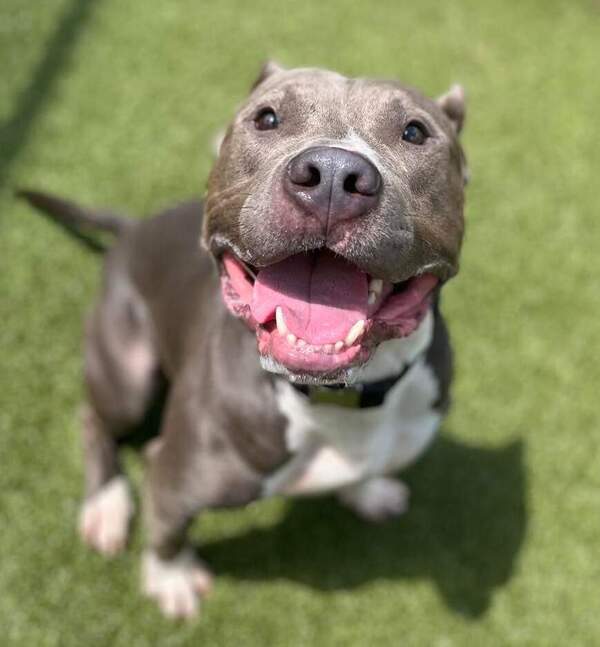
[(441, 270), (307, 359), (393, 311)]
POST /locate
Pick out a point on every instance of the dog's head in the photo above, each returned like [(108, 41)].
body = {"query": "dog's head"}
[(335, 211)]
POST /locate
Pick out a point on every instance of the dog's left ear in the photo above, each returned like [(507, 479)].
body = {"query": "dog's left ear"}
[(268, 69), (453, 103)]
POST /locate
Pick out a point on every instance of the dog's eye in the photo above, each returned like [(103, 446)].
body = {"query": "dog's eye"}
[(266, 119), (415, 133)]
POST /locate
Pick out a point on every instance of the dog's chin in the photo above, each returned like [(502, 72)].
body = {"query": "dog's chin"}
[(348, 375), (317, 317)]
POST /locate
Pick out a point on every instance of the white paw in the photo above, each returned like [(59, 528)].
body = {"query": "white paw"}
[(176, 584), (104, 518), (377, 499)]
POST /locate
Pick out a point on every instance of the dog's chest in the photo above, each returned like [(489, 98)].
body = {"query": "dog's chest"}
[(334, 446)]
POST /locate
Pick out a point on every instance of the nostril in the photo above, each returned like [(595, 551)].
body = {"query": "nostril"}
[(314, 176), (305, 174), (362, 183), (350, 183)]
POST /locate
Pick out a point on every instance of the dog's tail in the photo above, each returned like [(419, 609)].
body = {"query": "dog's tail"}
[(81, 223)]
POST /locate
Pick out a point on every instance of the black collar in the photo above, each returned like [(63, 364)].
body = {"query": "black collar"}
[(353, 396)]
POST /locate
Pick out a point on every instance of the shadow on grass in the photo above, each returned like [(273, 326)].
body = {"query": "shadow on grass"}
[(464, 531), (15, 130)]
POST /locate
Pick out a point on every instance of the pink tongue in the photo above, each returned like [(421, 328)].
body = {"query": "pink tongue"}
[(322, 296)]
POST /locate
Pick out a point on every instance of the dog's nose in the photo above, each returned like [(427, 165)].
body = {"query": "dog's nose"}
[(333, 183)]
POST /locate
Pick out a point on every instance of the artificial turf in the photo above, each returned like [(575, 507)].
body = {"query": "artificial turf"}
[(116, 104)]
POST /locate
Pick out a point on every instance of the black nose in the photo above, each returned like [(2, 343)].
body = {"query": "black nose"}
[(333, 183)]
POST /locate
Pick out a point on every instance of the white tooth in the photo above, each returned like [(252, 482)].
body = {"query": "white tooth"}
[(355, 332), (372, 298), (328, 348), (376, 285), (301, 343), (281, 327), (338, 346), (291, 339)]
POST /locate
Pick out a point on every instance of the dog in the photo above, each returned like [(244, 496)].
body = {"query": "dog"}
[(293, 315)]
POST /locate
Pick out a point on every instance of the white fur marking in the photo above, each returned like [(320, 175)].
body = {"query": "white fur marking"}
[(408, 424), (328, 470), (356, 143), (357, 444), (176, 584), (350, 445), (104, 518), (377, 499)]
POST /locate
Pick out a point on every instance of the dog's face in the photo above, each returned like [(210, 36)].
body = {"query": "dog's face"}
[(335, 211)]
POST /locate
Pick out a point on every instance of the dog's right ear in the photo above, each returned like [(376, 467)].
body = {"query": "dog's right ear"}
[(453, 103), (268, 69)]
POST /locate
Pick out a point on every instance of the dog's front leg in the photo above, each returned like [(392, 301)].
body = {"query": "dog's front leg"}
[(172, 574), (190, 467)]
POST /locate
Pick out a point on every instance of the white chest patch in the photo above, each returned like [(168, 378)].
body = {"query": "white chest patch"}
[(335, 446)]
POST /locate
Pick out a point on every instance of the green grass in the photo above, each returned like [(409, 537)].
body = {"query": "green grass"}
[(116, 103)]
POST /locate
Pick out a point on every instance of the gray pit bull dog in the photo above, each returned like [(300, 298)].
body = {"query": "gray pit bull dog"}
[(301, 340)]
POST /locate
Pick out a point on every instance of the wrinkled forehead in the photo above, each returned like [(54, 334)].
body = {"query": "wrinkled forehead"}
[(321, 97)]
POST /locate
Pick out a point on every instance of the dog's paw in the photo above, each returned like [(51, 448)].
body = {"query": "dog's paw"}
[(377, 499), (176, 584), (105, 516)]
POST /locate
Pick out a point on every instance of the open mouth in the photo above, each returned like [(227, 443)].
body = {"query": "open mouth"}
[(316, 314)]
